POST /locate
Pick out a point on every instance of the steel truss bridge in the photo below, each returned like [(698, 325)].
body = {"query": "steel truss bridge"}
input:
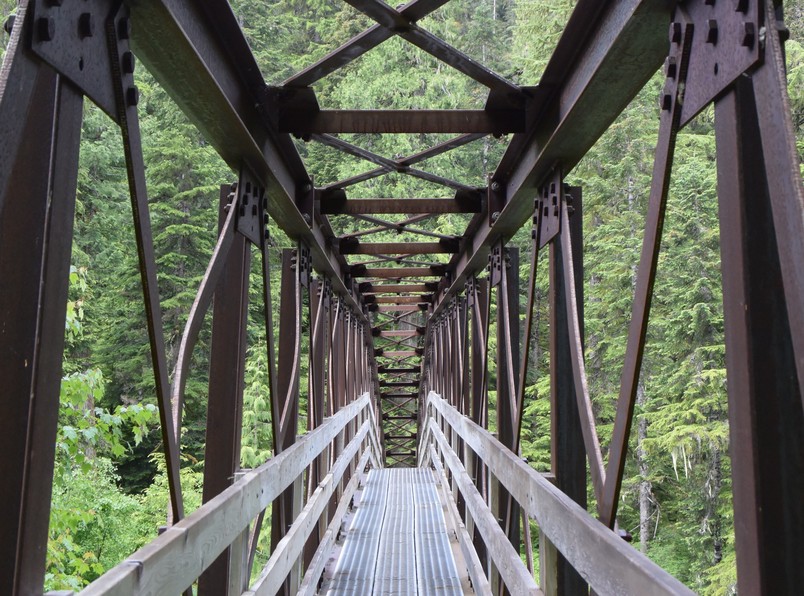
[(398, 486)]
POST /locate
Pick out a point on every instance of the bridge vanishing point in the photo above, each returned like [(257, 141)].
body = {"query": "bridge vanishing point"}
[(398, 486)]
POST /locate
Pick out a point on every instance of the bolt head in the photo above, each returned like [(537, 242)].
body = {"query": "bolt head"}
[(46, 27), (124, 28), (86, 25), (132, 96), (495, 186), (671, 67), (749, 35), (711, 31), (675, 32), (128, 63)]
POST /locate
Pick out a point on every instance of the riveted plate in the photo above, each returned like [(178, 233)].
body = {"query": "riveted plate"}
[(72, 38), (723, 47)]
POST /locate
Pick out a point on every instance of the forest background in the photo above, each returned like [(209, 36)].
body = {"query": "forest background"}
[(110, 491)]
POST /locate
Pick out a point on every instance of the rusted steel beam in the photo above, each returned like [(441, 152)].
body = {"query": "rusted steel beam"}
[(399, 248), (199, 55), (643, 290), (392, 206), (405, 163), (399, 299), (765, 412), (302, 122), (396, 272), (567, 452), (401, 308), (226, 381), (387, 370), (37, 205), (367, 288), (360, 44), (589, 84), (394, 21)]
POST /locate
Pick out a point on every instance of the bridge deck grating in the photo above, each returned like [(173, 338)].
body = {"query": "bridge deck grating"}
[(397, 542)]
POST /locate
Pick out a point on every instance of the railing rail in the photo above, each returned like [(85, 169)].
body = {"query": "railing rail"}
[(175, 559), (605, 561)]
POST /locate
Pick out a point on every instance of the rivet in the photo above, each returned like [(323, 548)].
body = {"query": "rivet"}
[(675, 32), (128, 62), (132, 96), (749, 35), (46, 27), (124, 28), (670, 67), (86, 25), (711, 31)]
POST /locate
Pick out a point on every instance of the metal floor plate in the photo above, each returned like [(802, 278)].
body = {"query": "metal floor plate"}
[(397, 543)]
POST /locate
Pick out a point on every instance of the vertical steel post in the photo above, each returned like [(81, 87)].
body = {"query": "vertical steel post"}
[(507, 376), (568, 455), (37, 208), (225, 401), (478, 304), (286, 406), (765, 411), (316, 396)]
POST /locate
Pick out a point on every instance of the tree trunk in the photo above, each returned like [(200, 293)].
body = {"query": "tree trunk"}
[(644, 483)]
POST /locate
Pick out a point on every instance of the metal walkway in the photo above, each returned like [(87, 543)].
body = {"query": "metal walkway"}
[(397, 543)]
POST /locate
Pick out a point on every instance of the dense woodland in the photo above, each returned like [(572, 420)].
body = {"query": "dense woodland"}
[(110, 493)]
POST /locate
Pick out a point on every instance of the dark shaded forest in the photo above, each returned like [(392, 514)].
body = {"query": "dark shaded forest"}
[(110, 492)]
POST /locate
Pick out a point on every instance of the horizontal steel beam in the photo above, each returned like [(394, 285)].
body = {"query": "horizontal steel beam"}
[(370, 288), (469, 204), (303, 122), (395, 272), (607, 52), (400, 308), (356, 247), (371, 299)]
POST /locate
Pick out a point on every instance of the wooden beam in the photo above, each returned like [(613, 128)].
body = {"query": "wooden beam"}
[(290, 548), (506, 559), (606, 561), (170, 563)]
